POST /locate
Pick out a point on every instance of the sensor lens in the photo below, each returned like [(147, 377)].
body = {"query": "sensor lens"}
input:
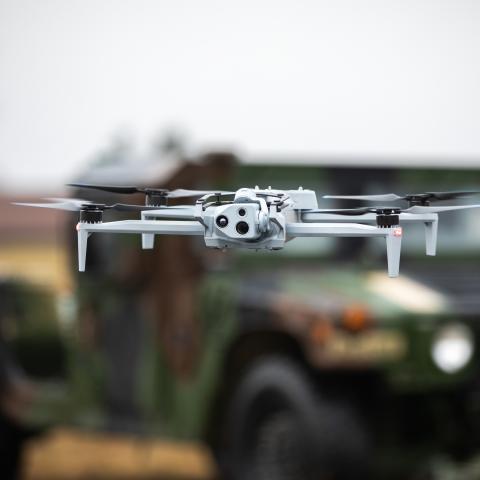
[(222, 221), (242, 212), (242, 228)]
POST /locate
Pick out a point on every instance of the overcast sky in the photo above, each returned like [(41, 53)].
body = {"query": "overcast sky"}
[(290, 77)]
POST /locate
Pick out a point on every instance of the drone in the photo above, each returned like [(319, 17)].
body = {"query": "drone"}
[(258, 219)]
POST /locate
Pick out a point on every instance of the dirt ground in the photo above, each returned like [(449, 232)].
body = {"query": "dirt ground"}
[(73, 455), (70, 455)]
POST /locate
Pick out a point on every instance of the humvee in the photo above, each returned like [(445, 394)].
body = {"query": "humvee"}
[(302, 364)]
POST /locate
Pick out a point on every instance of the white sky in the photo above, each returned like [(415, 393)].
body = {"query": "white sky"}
[(292, 77)]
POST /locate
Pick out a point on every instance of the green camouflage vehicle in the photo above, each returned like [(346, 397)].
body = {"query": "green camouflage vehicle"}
[(306, 363)]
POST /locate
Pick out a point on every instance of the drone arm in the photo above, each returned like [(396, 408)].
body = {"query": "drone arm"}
[(172, 213), (154, 227), (393, 237), (430, 220)]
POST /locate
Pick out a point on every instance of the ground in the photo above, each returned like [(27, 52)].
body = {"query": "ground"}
[(73, 455), (70, 455)]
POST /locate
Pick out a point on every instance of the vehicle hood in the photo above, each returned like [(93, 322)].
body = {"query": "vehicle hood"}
[(332, 291)]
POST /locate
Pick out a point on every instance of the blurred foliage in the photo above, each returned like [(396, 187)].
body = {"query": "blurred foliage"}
[(439, 180), (30, 325), (27, 309)]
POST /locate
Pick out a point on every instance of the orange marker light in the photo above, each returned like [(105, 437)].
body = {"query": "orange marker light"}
[(356, 318)]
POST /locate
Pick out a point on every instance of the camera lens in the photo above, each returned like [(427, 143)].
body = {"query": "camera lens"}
[(242, 228), (222, 221), (242, 212)]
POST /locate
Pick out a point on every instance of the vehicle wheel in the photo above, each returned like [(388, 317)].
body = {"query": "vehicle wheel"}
[(279, 428), (13, 437), (11, 446)]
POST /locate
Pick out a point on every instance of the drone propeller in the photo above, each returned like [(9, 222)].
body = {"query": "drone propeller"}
[(426, 209), (391, 210), (159, 192), (354, 211), (69, 204), (76, 205), (422, 199)]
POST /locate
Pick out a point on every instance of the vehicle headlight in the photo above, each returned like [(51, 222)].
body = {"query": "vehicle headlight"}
[(452, 347)]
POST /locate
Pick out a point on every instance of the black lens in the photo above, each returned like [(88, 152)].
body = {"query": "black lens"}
[(242, 228), (222, 221), (242, 212)]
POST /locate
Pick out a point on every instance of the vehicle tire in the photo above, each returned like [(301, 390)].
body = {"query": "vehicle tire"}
[(11, 446), (13, 437), (279, 428)]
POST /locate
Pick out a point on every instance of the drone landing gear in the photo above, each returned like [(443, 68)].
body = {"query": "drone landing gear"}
[(148, 241), (394, 243)]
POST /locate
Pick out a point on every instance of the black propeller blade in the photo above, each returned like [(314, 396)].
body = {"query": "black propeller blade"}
[(413, 198), (450, 195), (161, 192), (76, 205), (357, 211), (416, 209), (125, 207), (109, 188)]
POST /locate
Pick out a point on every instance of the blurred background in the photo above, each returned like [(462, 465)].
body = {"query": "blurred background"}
[(186, 363)]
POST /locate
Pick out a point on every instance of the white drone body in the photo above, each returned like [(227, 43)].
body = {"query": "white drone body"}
[(258, 219), (256, 222)]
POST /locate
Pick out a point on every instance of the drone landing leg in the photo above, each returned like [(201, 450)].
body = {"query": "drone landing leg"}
[(431, 230), (148, 241), (148, 227), (394, 244), (82, 249)]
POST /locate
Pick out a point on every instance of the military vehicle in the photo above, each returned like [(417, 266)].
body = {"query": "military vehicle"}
[(302, 364)]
